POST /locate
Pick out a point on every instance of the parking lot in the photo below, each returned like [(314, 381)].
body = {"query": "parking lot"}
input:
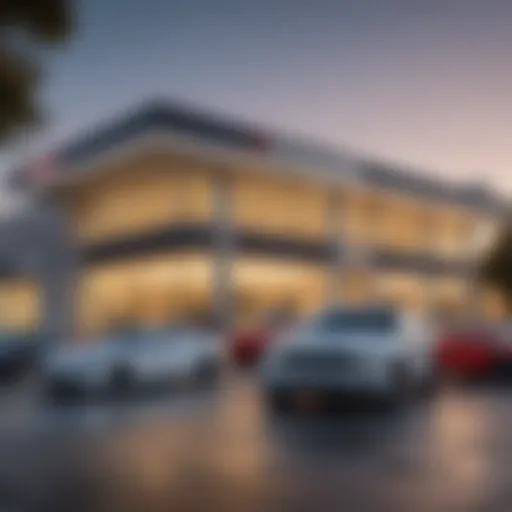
[(219, 450)]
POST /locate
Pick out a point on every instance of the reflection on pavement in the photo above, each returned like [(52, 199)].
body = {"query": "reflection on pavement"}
[(222, 451)]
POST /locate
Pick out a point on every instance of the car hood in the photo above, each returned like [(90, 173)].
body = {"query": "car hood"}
[(309, 341)]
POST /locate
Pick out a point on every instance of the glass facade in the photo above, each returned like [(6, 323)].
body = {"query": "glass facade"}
[(149, 196), (277, 207), (452, 233), (404, 290), (380, 219), (263, 285), (146, 291), (20, 305), (450, 297), (155, 194), (493, 304), (357, 286)]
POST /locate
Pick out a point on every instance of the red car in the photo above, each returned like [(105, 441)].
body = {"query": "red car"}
[(473, 353), (249, 344)]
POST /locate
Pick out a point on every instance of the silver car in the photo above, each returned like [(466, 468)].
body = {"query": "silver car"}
[(376, 352), (130, 360)]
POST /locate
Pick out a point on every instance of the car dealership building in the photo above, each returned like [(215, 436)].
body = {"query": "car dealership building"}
[(170, 214)]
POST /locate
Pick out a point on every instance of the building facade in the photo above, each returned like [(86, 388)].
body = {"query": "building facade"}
[(170, 214)]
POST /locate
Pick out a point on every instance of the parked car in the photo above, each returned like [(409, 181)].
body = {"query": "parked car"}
[(124, 362), (248, 344), (18, 352), (364, 352), (475, 352)]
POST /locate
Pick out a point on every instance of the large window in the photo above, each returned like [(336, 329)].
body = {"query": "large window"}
[(379, 219), (493, 304), (266, 285), (357, 287), (452, 231), (390, 221), (149, 291), (449, 297), (20, 305), (141, 197), (275, 207), (359, 216), (405, 291), (402, 224)]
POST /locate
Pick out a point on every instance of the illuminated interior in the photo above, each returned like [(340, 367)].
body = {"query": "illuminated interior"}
[(357, 287), (20, 305), (405, 291), (161, 290), (150, 194), (450, 298), (265, 285), (151, 291), (358, 217), (493, 304), (276, 207), (452, 232), (391, 221), (402, 225), (156, 192)]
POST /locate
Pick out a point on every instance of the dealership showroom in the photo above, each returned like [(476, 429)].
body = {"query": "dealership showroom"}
[(170, 216)]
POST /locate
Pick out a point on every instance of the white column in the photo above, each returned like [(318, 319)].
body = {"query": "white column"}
[(334, 270), (359, 256), (223, 252), (60, 280), (432, 282)]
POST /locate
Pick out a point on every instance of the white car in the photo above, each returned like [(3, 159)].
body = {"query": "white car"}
[(378, 352), (123, 362)]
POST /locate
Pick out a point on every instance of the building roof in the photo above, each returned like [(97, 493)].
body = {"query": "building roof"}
[(180, 122)]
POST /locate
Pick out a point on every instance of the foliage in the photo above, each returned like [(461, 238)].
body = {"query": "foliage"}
[(497, 268), (26, 28)]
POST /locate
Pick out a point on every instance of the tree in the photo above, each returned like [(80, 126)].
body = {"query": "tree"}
[(26, 26), (497, 268)]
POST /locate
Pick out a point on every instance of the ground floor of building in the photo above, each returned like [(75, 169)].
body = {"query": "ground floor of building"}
[(165, 232), (194, 285), (243, 288)]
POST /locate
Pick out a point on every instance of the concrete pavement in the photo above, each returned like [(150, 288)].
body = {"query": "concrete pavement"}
[(220, 450)]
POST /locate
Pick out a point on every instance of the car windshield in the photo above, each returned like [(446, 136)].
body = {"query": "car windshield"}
[(362, 321)]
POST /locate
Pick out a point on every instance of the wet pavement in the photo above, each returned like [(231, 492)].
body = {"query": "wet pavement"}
[(219, 450)]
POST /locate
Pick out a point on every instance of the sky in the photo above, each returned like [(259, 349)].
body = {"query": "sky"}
[(423, 83)]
